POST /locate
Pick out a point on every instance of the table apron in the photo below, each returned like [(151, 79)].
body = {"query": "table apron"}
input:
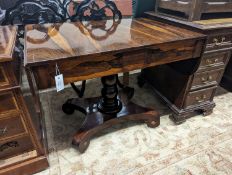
[(95, 66)]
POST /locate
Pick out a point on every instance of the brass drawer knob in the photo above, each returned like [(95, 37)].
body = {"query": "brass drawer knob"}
[(209, 61), (3, 130), (223, 39), (217, 43), (205, 80), (210, 78), (201, 99)]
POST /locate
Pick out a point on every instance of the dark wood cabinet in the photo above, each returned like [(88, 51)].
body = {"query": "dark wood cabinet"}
[(192, 10), (20, 148), (197, 94)]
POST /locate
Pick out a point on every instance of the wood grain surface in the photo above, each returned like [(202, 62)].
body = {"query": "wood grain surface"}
[(101, 48), (51, 42), (7, 42)]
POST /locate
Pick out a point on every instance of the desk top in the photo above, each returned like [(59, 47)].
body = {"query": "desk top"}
[(51, 42), (7, 42)]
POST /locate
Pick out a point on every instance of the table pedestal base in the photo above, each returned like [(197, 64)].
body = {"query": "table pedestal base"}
[(106, 111)]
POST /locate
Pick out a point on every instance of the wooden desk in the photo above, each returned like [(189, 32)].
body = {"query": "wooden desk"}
[(21, 151), (103, 49), (199, 92)]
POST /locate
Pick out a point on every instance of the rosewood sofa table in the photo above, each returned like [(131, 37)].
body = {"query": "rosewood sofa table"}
[(102, 49)]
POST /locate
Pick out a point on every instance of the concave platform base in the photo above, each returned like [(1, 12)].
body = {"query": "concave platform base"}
[(96, 121), (110, 109)]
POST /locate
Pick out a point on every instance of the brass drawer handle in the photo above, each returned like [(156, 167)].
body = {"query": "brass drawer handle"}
[(3, 130), (210, 78), (210, 61), (217, 43), (8, 145), (206, 80), (201, 99)]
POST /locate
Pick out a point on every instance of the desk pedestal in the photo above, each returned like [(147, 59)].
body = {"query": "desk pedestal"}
[(110, 109)]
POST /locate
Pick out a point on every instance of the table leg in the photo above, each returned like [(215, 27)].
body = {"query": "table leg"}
[(109, 104), (106, 111)]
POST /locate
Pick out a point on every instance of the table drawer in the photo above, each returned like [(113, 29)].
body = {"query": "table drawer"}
[(219, 42), (11, 125), (214, 60), (15, 147), (207, 78), (8, 102), (95, 66), (201, 96)]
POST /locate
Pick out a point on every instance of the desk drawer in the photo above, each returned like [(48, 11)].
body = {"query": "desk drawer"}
[(200, 96), (8, 102), (219, 42), (11, 125), (15, 147), (214, 60), (207, 78), (95, 66)]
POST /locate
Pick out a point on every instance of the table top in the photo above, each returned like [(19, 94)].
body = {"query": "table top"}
[(52, 42), (7, 42)]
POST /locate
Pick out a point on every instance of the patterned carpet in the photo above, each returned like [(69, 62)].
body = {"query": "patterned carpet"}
[(200, 146)]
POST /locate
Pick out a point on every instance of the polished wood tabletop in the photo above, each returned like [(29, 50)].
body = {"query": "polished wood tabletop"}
[(7, 42), (51, 42)]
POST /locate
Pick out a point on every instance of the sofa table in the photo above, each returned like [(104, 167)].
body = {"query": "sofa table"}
[(102, 49)]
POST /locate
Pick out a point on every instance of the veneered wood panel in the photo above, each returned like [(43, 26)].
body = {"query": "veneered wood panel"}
[(7, 42), (74, 40), (106, 64)]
